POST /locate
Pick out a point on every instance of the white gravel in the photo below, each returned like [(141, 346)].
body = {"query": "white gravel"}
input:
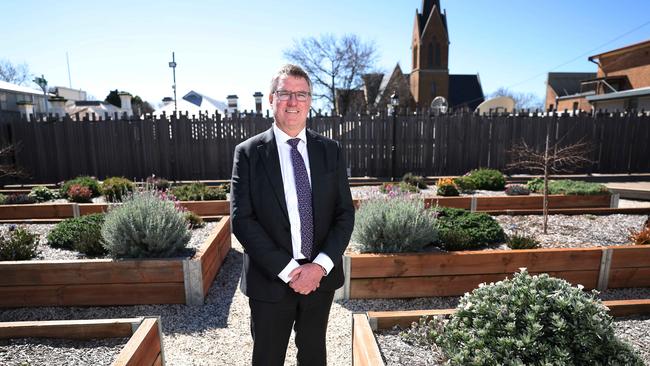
[(44, 351)]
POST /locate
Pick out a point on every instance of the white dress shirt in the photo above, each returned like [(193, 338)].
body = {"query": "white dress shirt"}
[(290, 196)]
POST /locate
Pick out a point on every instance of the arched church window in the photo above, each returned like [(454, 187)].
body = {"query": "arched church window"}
[(438, 54)]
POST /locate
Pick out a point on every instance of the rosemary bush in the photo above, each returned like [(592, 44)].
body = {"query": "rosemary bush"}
[(145, 225), (394, 225), (529, 320)]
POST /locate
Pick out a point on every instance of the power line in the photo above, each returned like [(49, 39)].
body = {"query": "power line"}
[(582, 55)]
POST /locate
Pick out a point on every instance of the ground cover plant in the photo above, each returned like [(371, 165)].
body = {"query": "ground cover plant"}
[(146, 225), (394, 225), (18, 199), (518, 240), (527, 320), (17, 244), (79, 194), (199, 192), (567, 187), (464, 230)]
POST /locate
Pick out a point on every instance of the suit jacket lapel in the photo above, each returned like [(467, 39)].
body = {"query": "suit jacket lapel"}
[(268, 151), (317, 166)]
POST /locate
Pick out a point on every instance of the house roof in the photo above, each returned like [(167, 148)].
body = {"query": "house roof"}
[(465, 90), (621, 50), (567, 83), (193, 103), (372, 83), (19, 88)]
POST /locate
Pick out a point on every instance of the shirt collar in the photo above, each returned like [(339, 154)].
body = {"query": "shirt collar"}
[(281, 137)]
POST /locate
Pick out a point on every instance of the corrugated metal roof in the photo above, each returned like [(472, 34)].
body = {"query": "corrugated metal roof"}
[(19, 88)]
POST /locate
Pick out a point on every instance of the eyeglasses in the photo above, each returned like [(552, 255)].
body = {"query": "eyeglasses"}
[(301, 96)]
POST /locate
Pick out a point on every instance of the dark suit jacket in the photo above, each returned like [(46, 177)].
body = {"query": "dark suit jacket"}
[(260, 220)]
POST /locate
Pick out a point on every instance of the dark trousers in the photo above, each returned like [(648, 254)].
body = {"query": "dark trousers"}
[(271, 325)]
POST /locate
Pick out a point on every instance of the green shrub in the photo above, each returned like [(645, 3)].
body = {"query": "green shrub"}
[(42, 194), (522, 241), (536, 185), (89, 182), (115, 188), (3, 198), (79, 194), (78, 233), (517, 190), (394, 225), (530, 320), (567, 187), (19, 199), (194, 221), (17, 244), (487, 179), (198, 192), (463, 230), (226, 187), (145, 225), (447, 190), (414, 180), (465, 184)]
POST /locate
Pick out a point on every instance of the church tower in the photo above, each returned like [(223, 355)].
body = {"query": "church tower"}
[(430, 54)]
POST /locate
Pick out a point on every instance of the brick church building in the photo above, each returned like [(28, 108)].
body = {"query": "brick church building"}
[(429, 75)]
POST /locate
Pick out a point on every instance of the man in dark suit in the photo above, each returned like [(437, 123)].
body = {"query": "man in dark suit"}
[(292, 212)]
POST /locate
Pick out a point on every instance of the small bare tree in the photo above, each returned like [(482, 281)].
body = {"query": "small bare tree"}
[(554, 159), (334, 63)]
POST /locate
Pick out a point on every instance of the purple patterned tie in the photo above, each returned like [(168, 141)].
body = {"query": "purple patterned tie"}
[(303, 191)]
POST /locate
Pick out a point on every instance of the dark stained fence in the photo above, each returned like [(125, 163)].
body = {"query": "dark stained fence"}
[(192, 148)]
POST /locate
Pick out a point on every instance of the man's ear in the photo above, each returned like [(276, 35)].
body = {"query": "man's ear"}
[(271, 98)]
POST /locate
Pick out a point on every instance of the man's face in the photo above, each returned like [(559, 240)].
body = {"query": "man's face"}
[(290, 115)]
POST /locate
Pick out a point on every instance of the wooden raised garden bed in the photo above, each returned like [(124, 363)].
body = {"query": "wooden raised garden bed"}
[(116, 282), (144, 348), (365, 350), (58, 211), (533, 202), (454, 273)]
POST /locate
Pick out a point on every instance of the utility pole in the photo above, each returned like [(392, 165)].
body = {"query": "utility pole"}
[(173, 66)]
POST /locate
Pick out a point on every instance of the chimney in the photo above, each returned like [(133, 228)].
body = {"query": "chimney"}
[(125, 101), (25, 108), (57, 106), (258, 102), (232, 103)]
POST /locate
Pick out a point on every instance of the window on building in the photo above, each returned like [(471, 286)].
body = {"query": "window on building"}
[(415, 57), (3, 101), (575, 106), (430, 55), (438, 57)]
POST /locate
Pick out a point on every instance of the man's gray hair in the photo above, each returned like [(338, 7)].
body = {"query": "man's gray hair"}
[(289, 70)]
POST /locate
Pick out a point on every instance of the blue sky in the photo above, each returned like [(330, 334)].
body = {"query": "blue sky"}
[(233, 47)]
